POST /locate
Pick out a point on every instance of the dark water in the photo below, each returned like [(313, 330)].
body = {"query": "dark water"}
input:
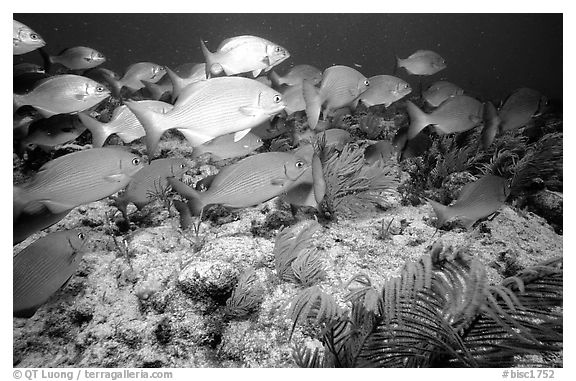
[(488, 55)]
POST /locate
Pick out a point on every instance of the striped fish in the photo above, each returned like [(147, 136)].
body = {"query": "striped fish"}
[(150, 180), (62, 94), (251, 181), (340, 86), (75, 179), (123, 123), (457, 114), (42, 268), (477, 200), (208, 109)]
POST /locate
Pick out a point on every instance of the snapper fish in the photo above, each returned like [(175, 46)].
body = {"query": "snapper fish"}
[(477, 200), (123, 123), (24, 39), (519, 108), (27, 224), (297, 75), (439, 91), (251, 181), (56, 130), (457, 114), (383, 90), (422, 62), (79, 58), (63, 94), (42, 268), (294, 98), (134, 76), (76, 179), (224, 147), (211, 108), (340, 86), (150, 181), (243, 54)]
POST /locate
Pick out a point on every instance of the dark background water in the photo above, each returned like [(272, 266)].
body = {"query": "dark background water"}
[(488, 55)]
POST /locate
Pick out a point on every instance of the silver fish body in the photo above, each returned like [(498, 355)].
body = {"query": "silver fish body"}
[(251, 181), (43, 267), (135, 74), (63, 94), (384, 90), (79, 58), (440, 91), (457, 114), (243, 54), (422, 62), (477, 200), (123, 123), (24, 39), (212, 108), (75, 179), (224, 147)]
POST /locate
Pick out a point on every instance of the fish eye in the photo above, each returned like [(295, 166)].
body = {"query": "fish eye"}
[(81, 236), (100, 89), (366, 82), (277, 98), (136, 161), (34, 36), (299, 164), (278, 49), (182, 165)]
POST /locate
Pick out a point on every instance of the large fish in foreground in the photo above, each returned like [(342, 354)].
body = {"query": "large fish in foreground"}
[(251, 181), (340, 86), (75, 179), (243, 54), (477, 200), (383, 90), (42, 268), (123, 123), (24, 39), (212, 108), (62, 94), (519, 108), (422, 62), (457, 114)]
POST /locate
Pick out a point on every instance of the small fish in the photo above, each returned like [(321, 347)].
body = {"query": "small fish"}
[(477, 200), (340, 86), (251, 181), (27, 68), (63, 94), (79, 58), (123, 123), (491, 124), (24, 39), (422, 62), (243, 54), (519, 108), (383, 150), (224, 147), (457, 114), (150, 180), (439, 91), (297, 75), (56, 130), (42, 268), (212, 108), (134, 75), (27, 224), (383, 90), (75, 179)]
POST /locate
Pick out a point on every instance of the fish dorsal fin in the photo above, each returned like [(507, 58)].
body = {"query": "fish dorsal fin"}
[(467, 191), (240, 134)]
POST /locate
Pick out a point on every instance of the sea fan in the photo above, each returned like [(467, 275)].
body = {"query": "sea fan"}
[(246, 296), (308, 268), (314, 304)]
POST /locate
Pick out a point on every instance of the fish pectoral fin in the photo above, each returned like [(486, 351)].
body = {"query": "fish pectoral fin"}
[(240, 134), (250, 110), (116, 178), (80, 97), (56, 207), (279, 182)]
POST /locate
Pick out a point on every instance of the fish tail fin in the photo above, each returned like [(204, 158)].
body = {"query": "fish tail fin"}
[(208, 57), (98, 129), (185, 214), (418, 120), (155, 91), (18, 101), (195, 199), (154, 124), (177, 83), (115, 85), (47, 60), (276, 79), (397, 63), (122, 204), (440, 210), (313, 103)]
